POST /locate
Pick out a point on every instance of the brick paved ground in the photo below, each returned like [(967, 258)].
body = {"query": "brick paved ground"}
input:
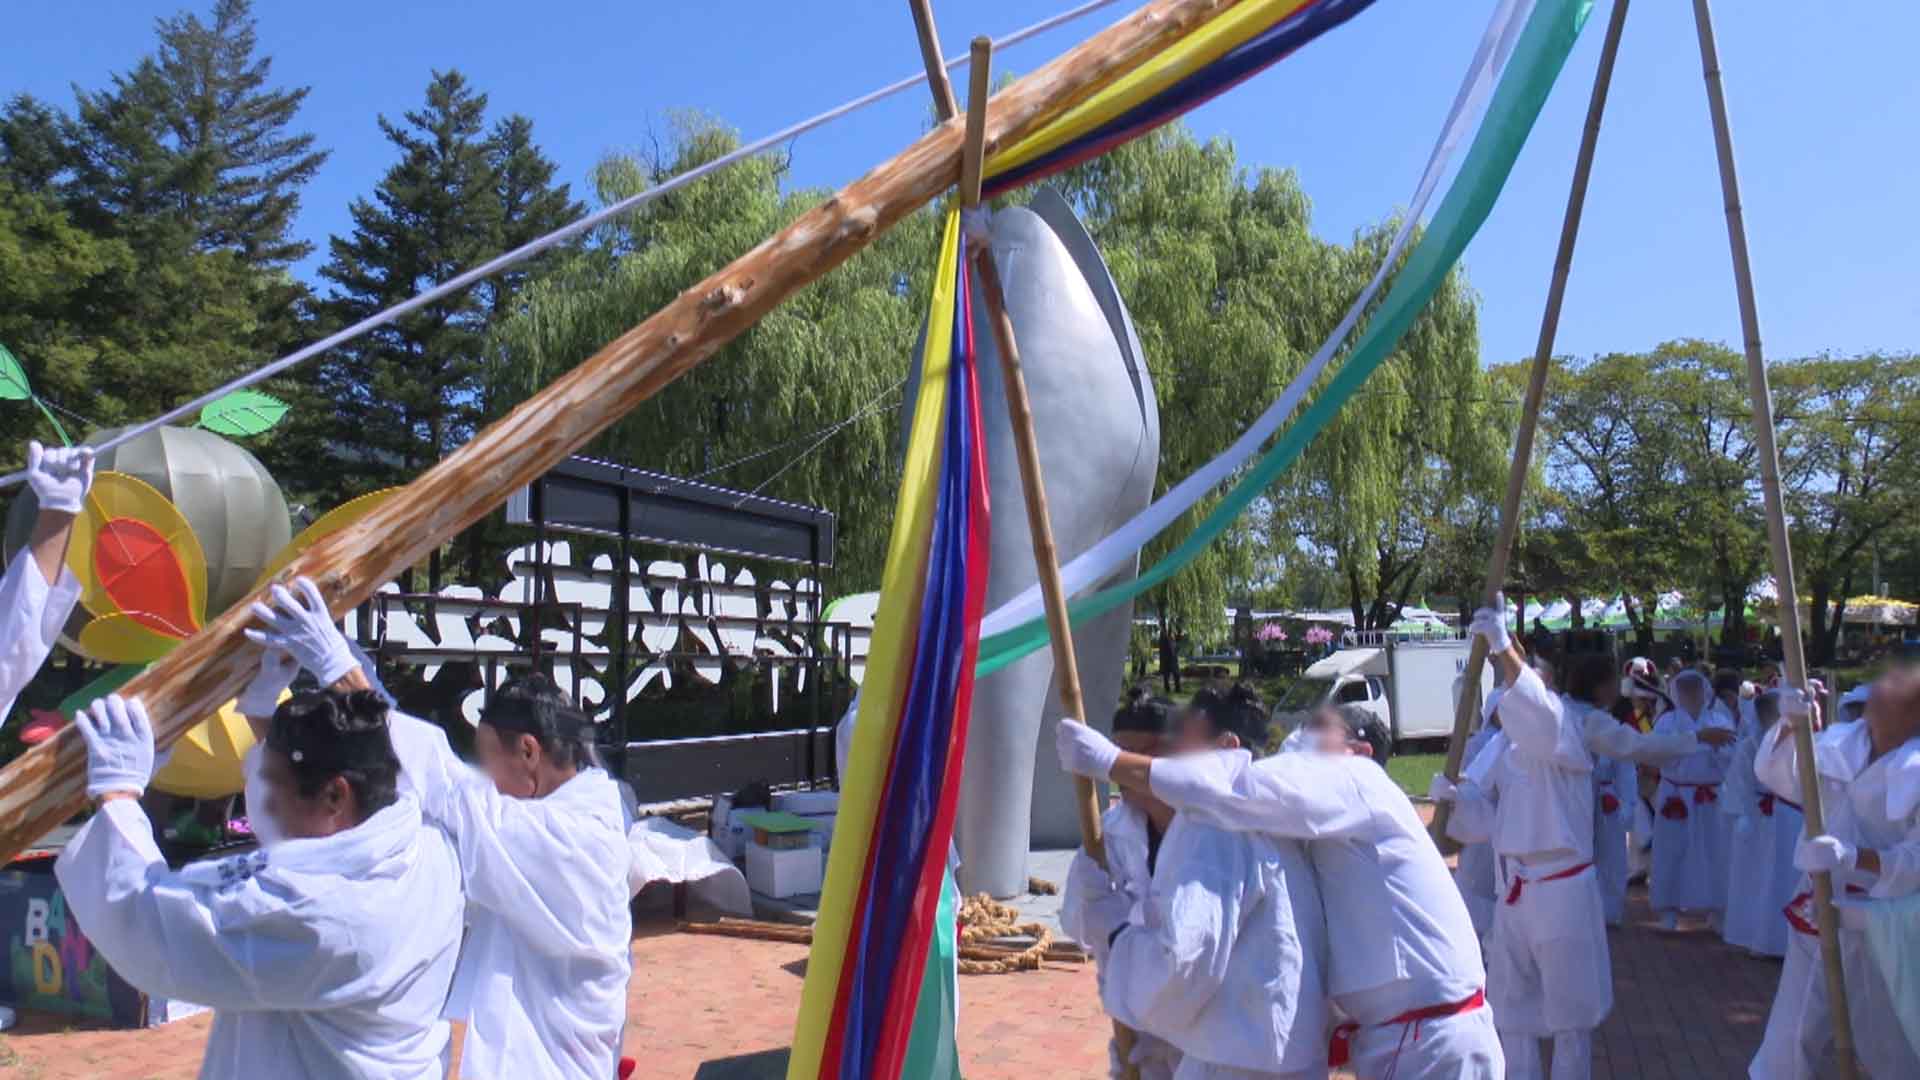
[(722, 1009)]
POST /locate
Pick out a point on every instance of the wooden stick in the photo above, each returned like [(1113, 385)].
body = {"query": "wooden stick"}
[(1781, 551), (47, 784), (1469, 704)]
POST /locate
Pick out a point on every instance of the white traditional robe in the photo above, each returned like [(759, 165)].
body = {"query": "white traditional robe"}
[(1549, 967), (31, 615), (1761, 879), (321, 958), (1399, 936), (1228, 957), (1689, 856), (542, 981), (1615, 790), (1868, 804), (1124, 829), (1475, 871)]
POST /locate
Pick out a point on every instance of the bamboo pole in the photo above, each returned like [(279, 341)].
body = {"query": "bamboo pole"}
[(47, 784), (1469, 704), (1777, 543), (1020, 416)]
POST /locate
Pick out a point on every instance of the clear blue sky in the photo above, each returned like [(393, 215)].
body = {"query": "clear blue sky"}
[(1823, 98)]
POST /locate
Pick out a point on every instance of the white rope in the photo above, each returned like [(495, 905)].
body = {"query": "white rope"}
[(559, 236)]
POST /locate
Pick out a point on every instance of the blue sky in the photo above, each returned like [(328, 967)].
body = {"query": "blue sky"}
[(1823, 100)]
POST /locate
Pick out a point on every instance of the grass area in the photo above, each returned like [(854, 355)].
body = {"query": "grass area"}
[(1414, 772)]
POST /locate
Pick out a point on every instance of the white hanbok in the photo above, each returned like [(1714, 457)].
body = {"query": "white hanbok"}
[(1689, 857), (1869, 803), (1403, 962), (1549, 967), (1124, 830), (1761, 877), (31, 615), (321, 958), (1227, 959), (542, 980), (1615, 789), (1475, 869)]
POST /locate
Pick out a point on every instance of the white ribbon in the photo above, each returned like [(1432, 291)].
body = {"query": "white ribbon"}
[(1099, 560)]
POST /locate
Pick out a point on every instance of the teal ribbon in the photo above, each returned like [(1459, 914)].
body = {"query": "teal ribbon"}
[(1537, 60)]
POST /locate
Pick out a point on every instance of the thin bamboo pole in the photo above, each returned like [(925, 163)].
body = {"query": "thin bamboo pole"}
[(1020, 415), (1469, 703), (47, 784), (1777, 543)]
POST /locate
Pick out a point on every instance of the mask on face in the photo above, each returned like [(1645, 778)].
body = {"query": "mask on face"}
[(265, 829)]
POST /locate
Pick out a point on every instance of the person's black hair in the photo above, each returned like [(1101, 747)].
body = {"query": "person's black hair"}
[(1726, 681), (1363, 726), (326, 733), (1142, 712), (1585, 674), (532, 705), (1238, 711)]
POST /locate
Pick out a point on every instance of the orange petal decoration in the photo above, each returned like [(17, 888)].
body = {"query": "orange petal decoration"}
[(143, 577), (117, 496)]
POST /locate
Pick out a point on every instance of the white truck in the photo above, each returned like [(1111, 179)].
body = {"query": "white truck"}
[(1408, 684)]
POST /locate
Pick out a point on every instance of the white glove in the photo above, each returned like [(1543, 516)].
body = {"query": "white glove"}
[(1824, 854), (262, 696), (119, 745), (301, 625), (1491, 623), (1084, 751), (59, 477), (1442, 789)]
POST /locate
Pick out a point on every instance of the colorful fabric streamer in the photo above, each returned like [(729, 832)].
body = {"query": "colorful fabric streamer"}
[(883, 892), (1538, 56)]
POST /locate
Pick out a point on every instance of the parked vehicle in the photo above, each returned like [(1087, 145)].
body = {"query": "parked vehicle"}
[(1408, 684)]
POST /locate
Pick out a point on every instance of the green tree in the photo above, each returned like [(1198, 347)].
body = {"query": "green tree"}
[(416, 389)]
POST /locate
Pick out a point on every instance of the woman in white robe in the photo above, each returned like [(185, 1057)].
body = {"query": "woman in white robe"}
[(1761, 878), (1689, 865)]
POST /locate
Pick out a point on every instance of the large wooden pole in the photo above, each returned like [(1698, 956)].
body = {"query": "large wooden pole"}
[(47, 784), (1791, 648), (1046, 557), (1468, 706)]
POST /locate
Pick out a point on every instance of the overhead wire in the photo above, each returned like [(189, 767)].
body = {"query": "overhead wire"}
[(565, 233)]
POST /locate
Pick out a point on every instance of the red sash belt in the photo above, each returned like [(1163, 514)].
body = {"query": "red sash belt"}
[(1799, 910), (1675, 808), (1768, 799), (1340, 1047), (1609, 802), (1513, 894)]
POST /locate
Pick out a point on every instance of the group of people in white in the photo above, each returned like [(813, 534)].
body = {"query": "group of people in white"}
[(395, 889), (1255, 916), (1280, 916)]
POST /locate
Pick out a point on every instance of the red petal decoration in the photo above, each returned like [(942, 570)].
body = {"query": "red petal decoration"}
[(144, 578)]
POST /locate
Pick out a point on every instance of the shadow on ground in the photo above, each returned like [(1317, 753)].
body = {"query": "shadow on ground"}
[(765, 1065)]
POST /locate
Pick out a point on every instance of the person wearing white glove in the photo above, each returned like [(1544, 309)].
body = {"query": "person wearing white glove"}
[(299, 624), (329, 954), (1869, 783), (39, 592), (1224, 955), (1096, 902)]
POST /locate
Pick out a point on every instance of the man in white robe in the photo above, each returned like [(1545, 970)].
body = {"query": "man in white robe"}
[(325, 955), (1095, 902), (1403, 964), (1870, 799), (1549, 969), (542, 847), (38, 592), (1689, 841)]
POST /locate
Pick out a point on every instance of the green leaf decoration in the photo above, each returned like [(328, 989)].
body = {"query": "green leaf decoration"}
[(13, 378), (243, 413)]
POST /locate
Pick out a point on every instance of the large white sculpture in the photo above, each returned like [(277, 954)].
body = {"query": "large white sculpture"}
[(1099, 435)]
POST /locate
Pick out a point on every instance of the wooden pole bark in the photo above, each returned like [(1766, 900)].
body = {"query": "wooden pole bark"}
[(1763, 437), (1469, 704), (47, 784)]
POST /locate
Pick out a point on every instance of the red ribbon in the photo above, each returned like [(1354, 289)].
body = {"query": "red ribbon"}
[(1609, 803), (1705, 793), (1340, 1047), (1674, 809), (1766, 805), (1513, 893)]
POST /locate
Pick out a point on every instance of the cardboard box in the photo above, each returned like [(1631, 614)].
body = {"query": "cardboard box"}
[(781, 874)]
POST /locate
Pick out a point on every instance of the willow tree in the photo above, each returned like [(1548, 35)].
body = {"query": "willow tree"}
[(804, 405)]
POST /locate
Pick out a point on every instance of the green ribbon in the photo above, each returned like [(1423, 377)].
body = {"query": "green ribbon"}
[(1537, 60)]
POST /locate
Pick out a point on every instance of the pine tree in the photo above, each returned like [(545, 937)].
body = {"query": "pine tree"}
[(415, 390)]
